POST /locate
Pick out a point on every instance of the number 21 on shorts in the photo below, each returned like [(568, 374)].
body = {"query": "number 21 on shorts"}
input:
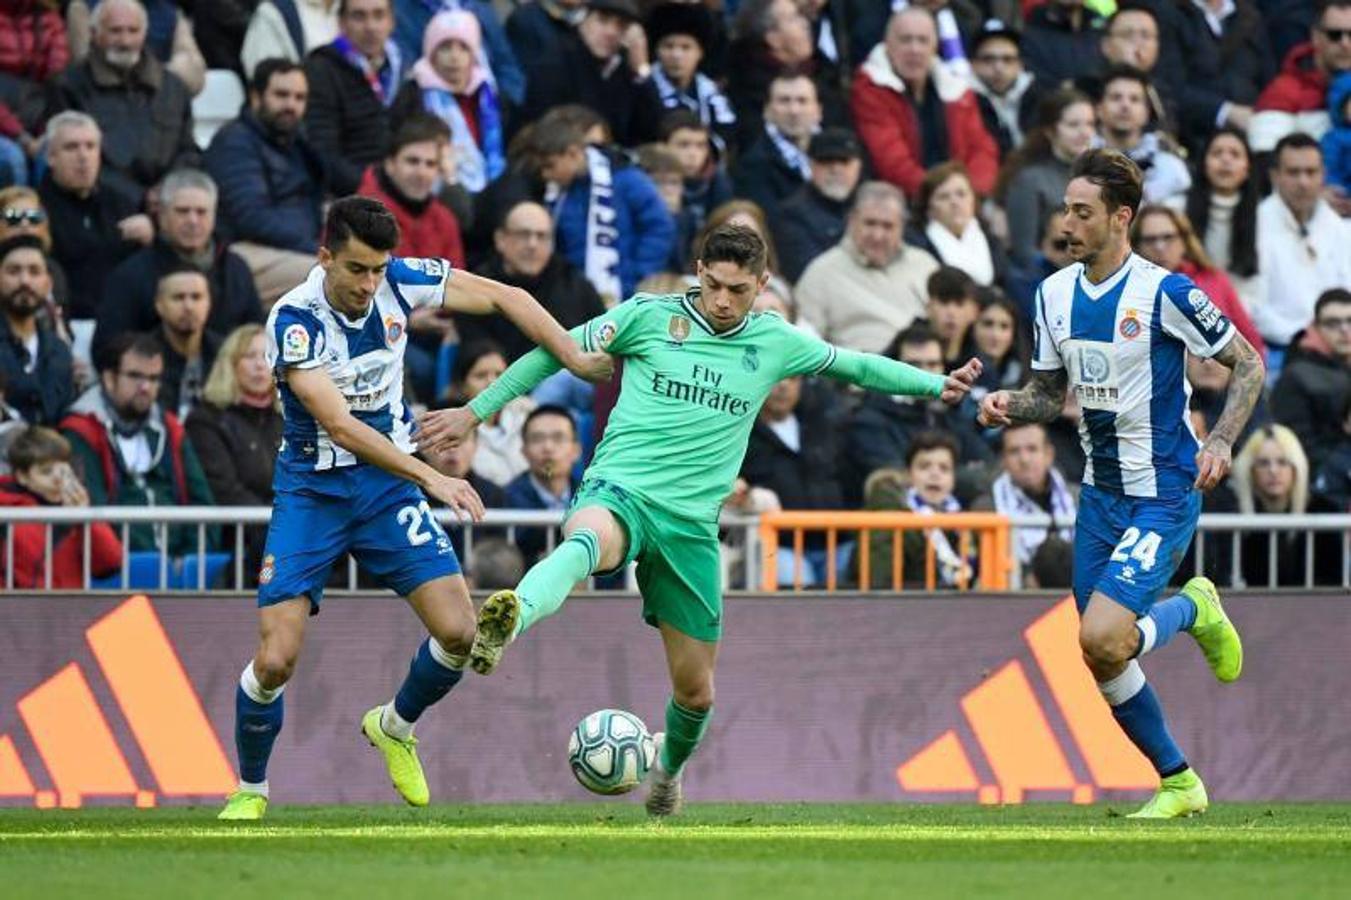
[(411, 517), (1143, 548)]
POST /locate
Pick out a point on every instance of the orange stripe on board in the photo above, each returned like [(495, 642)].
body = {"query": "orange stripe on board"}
[(163, 710), (941, 766), (14, 780), (73, 738), (1112, 760), (1013, 732)]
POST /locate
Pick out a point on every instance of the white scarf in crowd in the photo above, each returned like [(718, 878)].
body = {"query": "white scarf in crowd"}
[(969, 252), (602, 233), (951, 567), (707, 100), (1011, 500), (790, 152)]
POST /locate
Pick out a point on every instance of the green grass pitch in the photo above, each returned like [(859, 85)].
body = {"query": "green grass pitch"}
[(610, 852)]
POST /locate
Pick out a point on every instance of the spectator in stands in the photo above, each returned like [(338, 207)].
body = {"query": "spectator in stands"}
[(187, 220), (271, 180), (1007, 93), (830, 39), (450, 82), (870, 284), (500, 456), (496, 563), (218, 28), (1130, 40), (168, 37), (1052, 255), (775, 164), (1034, 179), (1222, 206), (143, 109), (949, 228), (1061, 41), (35, 362), (883, 428), (679, 34), (588, 178), (1301, 245), (236, 430), (1052, 566), (289, 30), (33, 48), (794, 451), (1332, 485), (131, 452), (1337, 139), (182, 305), (353, 81), (21, 212), (773, 41), (1271, 475), (538, 29), (41, 462), (1296, 99), (926, 485), (1316, 380), (524, 257), (660, 164), (596, 68), (1029, 483), (952, 309), (913, 112), (746, 213), (812, 220), (1164, 236), (1123, 117), (706, 184), (549, 439), (412, 21), (1000, 339)]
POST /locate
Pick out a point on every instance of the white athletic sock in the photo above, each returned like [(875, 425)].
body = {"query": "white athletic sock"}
[(393, 724), (259, 694), (260, 788), (1124, 686), (444, 656), (1149, 634)]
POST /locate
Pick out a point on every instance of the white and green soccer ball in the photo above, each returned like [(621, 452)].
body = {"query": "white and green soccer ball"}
[(610, 751)]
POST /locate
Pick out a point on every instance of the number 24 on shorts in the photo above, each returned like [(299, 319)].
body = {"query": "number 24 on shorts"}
[(1145, 548)]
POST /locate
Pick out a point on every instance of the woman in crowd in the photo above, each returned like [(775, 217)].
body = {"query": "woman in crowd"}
[(500, 456), (1001, 342), (947, 225), (1164, 236), (1222, 207)]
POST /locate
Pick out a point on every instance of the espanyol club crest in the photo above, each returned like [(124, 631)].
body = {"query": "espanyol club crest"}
[(268, 569), (678, 328), (1130, 326), (393, 331)]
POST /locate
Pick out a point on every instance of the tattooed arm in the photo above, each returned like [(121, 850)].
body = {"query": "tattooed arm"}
[(1246, 378), (1040, 401)]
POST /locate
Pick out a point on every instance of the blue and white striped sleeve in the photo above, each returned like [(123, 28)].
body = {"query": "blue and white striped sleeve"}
[(1045, 355), (1189, 315)]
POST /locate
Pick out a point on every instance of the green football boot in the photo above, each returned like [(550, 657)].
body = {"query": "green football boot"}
[(1216, 635), (497, 621), (1179, 796), (405, 770), (244, 806)]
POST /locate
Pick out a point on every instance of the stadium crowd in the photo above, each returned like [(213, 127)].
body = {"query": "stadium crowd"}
[(905, 162)]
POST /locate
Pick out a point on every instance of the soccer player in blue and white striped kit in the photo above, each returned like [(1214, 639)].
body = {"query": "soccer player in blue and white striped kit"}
[(1116, 330)]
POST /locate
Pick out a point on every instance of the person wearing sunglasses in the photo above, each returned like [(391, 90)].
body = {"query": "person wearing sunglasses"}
[(1296, 99), (21, 212)]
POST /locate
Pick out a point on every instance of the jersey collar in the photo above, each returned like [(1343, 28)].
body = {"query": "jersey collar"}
[(688, 303), (1096, 291)]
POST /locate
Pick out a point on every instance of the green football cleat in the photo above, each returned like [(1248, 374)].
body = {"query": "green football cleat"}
[(400, 758), (1179, 796), (244, 806), (497, 621), (1216, 635)]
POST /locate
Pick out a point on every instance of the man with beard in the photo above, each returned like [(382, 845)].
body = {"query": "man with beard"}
[(183, 302), (34, 363), (812, 220), (132, 452), (271, 180)]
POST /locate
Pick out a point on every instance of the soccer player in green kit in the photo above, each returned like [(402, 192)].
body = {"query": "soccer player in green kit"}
[(697, 367)]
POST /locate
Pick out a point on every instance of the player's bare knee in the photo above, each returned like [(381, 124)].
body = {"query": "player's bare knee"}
[(273, 666), (1105, 648), (697, 697), (457, 637)]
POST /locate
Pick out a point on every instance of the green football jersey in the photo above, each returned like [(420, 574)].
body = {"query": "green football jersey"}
[(689, 396)]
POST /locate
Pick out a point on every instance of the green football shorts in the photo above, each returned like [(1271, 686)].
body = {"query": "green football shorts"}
[(678, 560)]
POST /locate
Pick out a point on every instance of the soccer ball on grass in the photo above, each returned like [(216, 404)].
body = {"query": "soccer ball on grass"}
[(610, 751)]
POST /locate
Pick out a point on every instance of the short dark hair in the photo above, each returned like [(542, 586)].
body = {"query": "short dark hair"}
[(549, 409), (1322, 7), (1053, 562), (342, 7), (22, 242), (1295, 140), (1020, 425), (1120, 72), (919, 332), (949, 284), (735, 244), (680, 119), (1116, 175), (555, 133), (135, 343), (1128, 6), (366, 219), (932, 439), (273, 65), (36, 445), (1329, 297), (182, 267), (419, 128), (659, 159)]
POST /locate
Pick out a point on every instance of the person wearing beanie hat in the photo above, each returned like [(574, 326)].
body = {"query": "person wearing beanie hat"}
[(495, 54), (680, 34), (450, 82)]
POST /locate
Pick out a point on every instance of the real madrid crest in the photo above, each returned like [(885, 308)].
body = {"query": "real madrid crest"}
[(750, 359), (678, 328)]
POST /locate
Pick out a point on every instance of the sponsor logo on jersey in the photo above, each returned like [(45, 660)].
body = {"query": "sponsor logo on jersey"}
[(393, 331), (1207, 314), (295, 343), (435, 267), (1130, 327), (678, 328), (268, 569), (750, 360)]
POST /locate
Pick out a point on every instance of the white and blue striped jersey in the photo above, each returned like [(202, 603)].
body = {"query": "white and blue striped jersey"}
[(1124, 344), (363, 357)]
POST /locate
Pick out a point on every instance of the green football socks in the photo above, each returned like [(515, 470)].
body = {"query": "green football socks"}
[(549, 581), (684, 730)]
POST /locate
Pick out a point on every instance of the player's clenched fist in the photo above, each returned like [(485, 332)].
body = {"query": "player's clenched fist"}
[(960, 380), (994, 410), (457, 494), (444, 428)]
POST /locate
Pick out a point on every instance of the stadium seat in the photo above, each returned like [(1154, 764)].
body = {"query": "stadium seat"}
[(186, 577), (142, 573), (218, 103)]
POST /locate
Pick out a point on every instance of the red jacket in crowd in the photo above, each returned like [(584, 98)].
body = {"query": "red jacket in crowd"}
[(889, 125), (431, 232), (1299, 87), (30, 547), (32, 40)]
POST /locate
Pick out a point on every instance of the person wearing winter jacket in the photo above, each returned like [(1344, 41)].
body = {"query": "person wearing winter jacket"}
[(1337, 140), (1314, 386), (1296, 99)]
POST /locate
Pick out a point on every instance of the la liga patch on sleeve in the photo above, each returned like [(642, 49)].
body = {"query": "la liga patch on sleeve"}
[(295, 343)]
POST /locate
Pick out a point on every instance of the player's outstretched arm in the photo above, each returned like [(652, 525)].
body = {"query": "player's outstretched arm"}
[(438, 428), (1245, 389), (469, 293), (1040, 401), (878, 373), (322, 399)]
